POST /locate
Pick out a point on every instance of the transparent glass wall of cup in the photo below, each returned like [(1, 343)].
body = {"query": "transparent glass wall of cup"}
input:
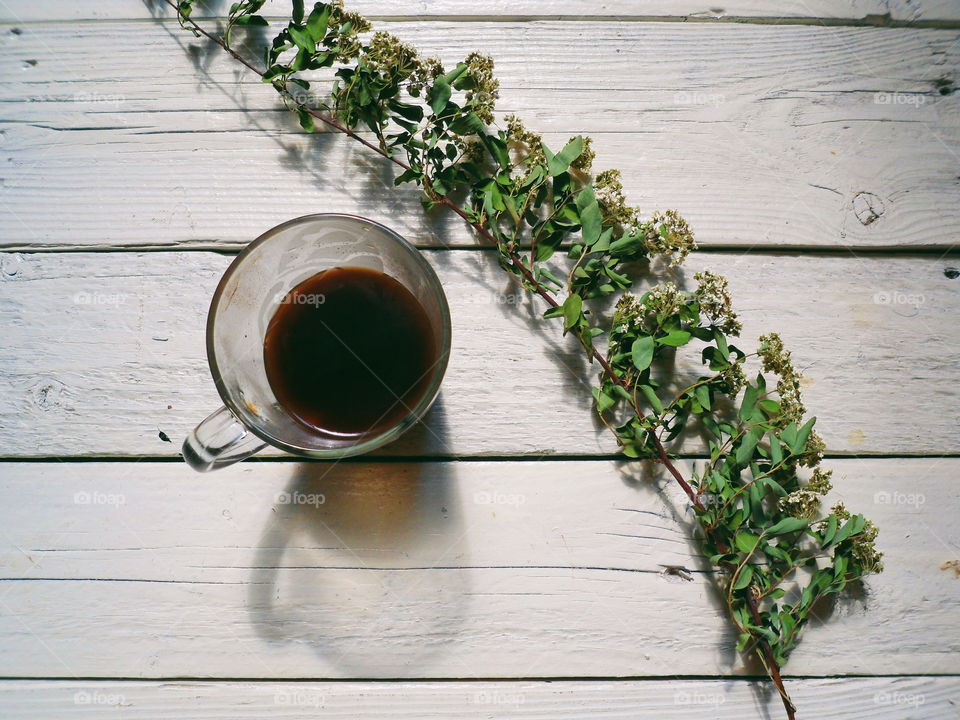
[(245, 300)]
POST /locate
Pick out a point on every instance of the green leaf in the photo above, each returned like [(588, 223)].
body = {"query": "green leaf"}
[(830, 530), (744, 578), (749, 400), (702, 393), (786, 525), (439, 95), (468, 124), (306, 119), (642, 352), (746, 447), (407, 176), (652, 398), (758, 513), (769, 635), (710, 424), (497, 148), (789, 435), (454, 75), (850, 527), (590, 221), (771, 406), (602, 244), (778, 553), (275, 71), (590, 218), (626, 244), (413, 113), (547, 153), (603, 400), (674, 338), (721, 341), (318, 21), (840, 566), (552, 278), (251, 21), (775, 486), (776, 452), (800, 443), (746, 541), (561, 161), (572, 310), (736, 520), (302, 39), (297, 11)]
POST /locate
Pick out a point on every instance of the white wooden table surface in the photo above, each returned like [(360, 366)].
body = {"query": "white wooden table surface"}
[(498, 562)]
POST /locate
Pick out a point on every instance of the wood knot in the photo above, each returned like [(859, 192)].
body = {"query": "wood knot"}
[(867, 207), (10, 266), (46, 393)]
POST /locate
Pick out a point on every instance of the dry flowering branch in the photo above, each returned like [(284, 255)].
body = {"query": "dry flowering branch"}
[(757, 498)]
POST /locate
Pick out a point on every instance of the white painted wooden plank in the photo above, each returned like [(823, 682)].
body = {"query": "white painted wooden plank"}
[(471, 569), (15, 11), (930, 698), (760, 135), (102, 351)]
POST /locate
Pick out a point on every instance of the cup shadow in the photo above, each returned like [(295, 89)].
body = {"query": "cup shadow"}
[(361, 561)]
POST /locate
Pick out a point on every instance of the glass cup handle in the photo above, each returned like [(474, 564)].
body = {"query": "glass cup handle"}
[(218, 441)]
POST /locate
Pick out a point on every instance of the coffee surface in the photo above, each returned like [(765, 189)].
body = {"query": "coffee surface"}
[(349, 351)]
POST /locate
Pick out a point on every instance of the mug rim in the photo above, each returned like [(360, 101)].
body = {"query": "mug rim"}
[(438, 370)]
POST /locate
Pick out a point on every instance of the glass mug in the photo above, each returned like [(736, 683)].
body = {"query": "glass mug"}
[(246, 299)]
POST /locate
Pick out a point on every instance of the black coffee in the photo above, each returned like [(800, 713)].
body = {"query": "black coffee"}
[(349, 351)]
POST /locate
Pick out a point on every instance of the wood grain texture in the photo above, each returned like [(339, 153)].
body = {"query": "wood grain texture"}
[(17, 11), (930, 698), (763, 136), (103, 351), (470, 569)]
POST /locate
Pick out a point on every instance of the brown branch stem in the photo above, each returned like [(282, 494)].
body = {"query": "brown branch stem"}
[(772, 667)]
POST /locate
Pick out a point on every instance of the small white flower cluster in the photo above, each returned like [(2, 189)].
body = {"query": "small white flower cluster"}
[(805, 502), (348, 25), (391, 57), (668, 234), (714, 298), (486, 89), (608, 186), (529, 142), (864, 543), (776, 359), (423, 75), (663, 299)]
